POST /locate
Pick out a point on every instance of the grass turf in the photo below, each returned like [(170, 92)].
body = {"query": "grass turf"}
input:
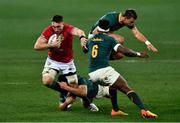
[(156, 80)]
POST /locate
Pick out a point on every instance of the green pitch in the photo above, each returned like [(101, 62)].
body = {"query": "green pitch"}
[(156, 80)]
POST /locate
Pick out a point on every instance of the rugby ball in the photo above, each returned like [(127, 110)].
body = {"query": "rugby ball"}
[(52, 39)]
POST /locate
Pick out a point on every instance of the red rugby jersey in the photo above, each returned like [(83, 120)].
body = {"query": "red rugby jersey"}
[(65, 52)]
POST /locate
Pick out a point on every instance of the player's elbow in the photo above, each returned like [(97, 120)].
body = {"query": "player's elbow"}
[(40, 44), (36, 46)]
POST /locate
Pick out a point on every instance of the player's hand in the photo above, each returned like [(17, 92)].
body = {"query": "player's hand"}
[(152, 48), (63, 85), (143, 55), (83, 42), (56, 44), (84, 49)]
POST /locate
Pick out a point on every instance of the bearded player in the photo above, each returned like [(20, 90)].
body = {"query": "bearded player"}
[(119, 20), (60, 53)]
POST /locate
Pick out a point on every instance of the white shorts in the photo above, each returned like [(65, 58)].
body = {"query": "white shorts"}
[(103, 91), (105, 76), (65, 68), (51, 66)]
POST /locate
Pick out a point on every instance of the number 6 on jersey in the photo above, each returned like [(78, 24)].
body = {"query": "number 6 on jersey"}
[(94, 52)]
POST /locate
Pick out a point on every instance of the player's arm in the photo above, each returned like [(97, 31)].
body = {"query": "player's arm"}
[(81, 90), (129, 52), (143, 39), (42, 44), (82, 36)]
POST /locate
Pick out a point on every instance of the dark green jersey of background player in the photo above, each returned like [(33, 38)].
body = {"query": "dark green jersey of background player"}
[(113, 18), (99, 49), (92, 88)]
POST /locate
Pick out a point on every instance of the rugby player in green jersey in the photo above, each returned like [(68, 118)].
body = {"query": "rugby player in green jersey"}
[(100, 47), (118, 20), (88, 90)]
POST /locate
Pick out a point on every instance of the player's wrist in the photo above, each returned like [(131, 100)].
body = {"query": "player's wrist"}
[(138, 54), (147, 42), (49, 46), (82, 36)]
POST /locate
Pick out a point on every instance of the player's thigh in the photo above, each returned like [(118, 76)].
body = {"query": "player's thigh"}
[(48, 75), (72, 79), (104, 76), (122, 85), (50, 71), (69, 70)]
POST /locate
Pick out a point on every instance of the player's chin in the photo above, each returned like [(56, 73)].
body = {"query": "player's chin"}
[(116, 56), (57, 31)]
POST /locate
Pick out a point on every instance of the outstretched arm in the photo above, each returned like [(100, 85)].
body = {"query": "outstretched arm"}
[(82, 37), (131, 53), (143, 39)]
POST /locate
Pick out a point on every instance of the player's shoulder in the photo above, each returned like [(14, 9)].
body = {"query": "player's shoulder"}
[(47, 32), (67, 27), (48, 29), (113, 13), (108, 37), (105, 38), (102, 36)]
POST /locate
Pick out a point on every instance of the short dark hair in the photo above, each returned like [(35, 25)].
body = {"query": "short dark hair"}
[(57, 18), (130, 13)]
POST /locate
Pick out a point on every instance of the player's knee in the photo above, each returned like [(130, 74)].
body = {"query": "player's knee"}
[(48, 76), (122, 85), (47, 80), (125, 90)]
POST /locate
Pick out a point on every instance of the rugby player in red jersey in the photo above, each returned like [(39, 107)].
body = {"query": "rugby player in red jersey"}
[(60, 54)]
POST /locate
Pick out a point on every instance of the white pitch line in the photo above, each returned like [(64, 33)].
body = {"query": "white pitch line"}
[(153, 61), (15, 83), (170, 42)]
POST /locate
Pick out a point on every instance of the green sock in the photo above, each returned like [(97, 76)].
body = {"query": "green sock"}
[(55, 86), (135, 99), (62, 96), (113, 96)]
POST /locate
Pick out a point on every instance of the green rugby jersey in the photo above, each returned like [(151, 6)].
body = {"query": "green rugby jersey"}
[(113, 18), (92, 87), (99, 49)]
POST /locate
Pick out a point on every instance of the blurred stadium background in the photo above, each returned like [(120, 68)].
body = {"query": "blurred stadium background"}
[(156, 80)]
